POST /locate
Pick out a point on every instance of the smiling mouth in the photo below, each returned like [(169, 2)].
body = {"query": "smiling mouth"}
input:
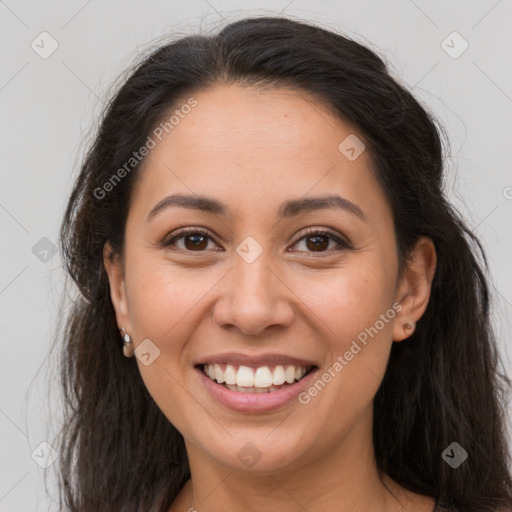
[(260, 379)]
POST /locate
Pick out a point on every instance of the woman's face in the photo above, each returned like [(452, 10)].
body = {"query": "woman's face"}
[(253, 291)]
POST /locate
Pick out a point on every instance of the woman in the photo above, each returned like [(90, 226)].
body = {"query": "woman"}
[(260, 224)]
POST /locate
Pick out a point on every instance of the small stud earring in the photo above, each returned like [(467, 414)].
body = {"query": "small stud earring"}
[(128, 347), (407, 328)]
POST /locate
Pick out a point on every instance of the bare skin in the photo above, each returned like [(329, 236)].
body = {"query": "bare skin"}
[(252, 149)]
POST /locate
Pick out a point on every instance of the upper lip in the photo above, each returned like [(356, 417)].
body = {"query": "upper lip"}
[(238, 359)]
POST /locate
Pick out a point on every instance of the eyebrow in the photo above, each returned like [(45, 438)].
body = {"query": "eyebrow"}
[(289, 208)]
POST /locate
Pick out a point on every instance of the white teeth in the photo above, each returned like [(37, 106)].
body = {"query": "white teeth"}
[(219, 374), (300, 371), (245, 377), (259, 379), (230, 374), (262, 377), (289, 374), (278, 377), (252, 390)]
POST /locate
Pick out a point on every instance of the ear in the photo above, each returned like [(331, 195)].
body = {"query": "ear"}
[(114, 266), (414, 287)]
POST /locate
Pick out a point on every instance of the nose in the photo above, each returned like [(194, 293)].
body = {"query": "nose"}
[(254, 298)]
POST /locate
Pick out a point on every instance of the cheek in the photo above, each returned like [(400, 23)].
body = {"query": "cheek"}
[(355, 312), (161, 309), (160, 297), (348, 300)]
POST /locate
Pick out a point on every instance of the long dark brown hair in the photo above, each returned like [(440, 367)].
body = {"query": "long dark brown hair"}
[(118, 452)]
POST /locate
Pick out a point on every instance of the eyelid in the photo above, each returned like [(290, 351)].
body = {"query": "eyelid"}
[(180, 232), (341, 240), (312, 231)]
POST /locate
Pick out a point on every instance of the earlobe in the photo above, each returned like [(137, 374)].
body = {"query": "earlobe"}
[(415, 287), (114, 268)]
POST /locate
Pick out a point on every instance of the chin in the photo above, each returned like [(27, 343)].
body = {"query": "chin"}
[(259, 450)]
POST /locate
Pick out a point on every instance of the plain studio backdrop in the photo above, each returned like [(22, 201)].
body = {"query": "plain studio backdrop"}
[(58, 63)]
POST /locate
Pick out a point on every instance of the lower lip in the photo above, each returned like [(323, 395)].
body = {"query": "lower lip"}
[(255, 402)]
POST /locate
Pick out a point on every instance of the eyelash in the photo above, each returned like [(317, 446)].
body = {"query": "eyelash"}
[(311, 232)]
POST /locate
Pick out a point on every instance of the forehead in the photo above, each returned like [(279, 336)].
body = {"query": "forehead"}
[(254, 146), (232, 118)]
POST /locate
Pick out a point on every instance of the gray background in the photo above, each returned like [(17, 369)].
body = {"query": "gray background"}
[(48, 107)]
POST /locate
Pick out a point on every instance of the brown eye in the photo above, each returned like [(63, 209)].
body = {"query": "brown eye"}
[(319, 241), (193, 241), (196, 242), (315, 241)]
